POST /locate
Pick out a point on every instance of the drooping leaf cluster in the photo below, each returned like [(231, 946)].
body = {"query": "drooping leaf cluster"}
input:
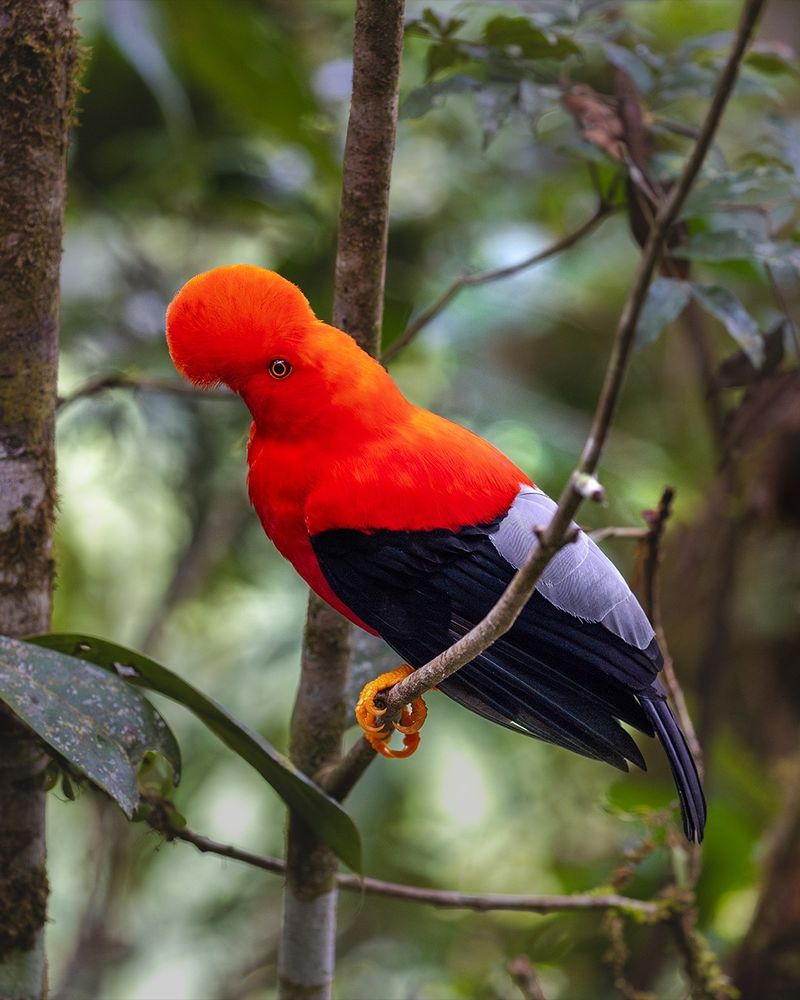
[(590, 85)]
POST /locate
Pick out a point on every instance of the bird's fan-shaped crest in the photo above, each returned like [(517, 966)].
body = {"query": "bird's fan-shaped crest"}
[(220, 323)]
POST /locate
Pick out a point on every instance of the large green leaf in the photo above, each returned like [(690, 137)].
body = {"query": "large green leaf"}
[(720, 245), (532, 42), (420, 100), (735, 318), (324, 815), (772, 58), (756, 185), (99, 724), (666, 300), (739, 244), (629, 62)]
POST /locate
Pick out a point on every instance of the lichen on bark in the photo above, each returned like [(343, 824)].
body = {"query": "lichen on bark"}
[(38, 59)]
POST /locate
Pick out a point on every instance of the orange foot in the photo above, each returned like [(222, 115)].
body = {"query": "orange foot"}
[(369, 716)]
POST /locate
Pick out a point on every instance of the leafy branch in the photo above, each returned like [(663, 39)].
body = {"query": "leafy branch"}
[(427, 316)]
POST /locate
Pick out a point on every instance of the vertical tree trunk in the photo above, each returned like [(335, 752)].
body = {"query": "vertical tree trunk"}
[(38, 50), (309, 920)]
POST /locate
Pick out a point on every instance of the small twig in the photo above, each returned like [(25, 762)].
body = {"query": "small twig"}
[(601, 534), (442, 898), (652, 603), (524, 975), (485, 277), (678, 128), (707, 981), (503, 615), (101, 383)]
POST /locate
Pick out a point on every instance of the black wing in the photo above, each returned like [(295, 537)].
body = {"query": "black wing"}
[(563, 679)]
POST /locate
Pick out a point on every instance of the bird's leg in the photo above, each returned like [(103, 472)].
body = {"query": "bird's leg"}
[(369, 715)]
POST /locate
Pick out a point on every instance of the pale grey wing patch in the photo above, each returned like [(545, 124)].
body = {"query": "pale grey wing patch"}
[(579, 579)]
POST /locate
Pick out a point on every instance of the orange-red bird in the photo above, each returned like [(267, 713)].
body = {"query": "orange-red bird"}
[(412, 527)]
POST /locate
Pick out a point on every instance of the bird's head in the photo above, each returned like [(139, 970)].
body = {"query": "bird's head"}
[(254, 331), (227, 325)]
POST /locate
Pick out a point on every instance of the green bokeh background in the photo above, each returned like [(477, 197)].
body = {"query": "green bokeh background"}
[(212, 133)]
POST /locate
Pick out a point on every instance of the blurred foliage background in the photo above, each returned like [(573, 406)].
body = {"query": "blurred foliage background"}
[(211, 132)]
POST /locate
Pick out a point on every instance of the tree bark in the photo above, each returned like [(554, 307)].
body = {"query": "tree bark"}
[(766, 964), (307, 952), (38, 55)]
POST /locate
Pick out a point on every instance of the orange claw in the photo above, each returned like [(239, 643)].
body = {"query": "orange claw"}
[(369, 716)]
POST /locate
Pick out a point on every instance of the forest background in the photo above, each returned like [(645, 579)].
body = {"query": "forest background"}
[(212, 132)]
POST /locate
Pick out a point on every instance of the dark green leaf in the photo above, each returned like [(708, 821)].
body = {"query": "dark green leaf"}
[(420, 101), (418, 29), (772, 58), (432, 19), (495, 103), (666, 300), (630, 63), (724, 305), (532, 42), (436, 25), (738, 370), (722, 244), (704, 43), (66, 787), (325, 816), (444, 55), (751, 186), (739, 244), (102, 727)]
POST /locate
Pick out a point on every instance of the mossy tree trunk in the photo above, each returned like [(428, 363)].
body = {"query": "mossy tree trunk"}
[(38, 51)]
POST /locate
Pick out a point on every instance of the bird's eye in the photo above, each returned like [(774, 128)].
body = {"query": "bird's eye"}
[(279, 368)]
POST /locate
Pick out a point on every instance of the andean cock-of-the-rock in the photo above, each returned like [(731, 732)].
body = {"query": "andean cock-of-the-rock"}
[(413, 526)]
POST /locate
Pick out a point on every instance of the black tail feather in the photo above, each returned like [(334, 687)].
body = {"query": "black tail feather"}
[(684, 769)]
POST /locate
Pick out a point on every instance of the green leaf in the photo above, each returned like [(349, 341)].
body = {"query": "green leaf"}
[(724, 305), (441, 27), (666, 300), (444, 55), (324, 815), (739, 244), (532, 42), (422, 99), (495, 103), (772, 58), (722, 244), (100, 725), (750, 186), (630, 63)]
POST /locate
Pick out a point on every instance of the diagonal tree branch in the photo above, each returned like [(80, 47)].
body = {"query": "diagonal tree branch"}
[(485, 277), (556, 534)]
